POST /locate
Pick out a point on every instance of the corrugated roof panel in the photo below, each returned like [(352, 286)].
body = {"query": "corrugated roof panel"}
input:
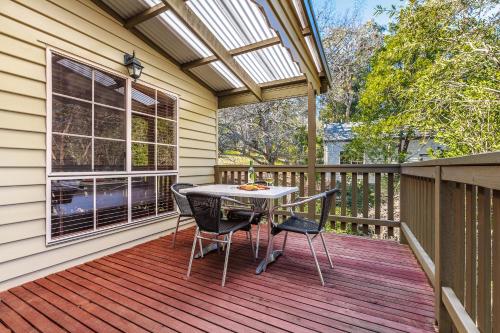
[(235, 23), (127, 8), (213, 78), (269, 64), (165, 37)]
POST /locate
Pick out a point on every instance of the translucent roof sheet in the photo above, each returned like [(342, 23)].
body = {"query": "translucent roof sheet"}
[(235, 24)]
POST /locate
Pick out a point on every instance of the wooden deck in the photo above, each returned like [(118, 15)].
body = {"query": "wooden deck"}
[(376, 286)]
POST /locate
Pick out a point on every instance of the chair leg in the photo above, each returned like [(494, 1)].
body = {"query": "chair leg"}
[(176, 229), (257, 242), (326, 249), (227, 258), (201, 247), (315, 259), (249, 234), (284, 243), (192, 252)]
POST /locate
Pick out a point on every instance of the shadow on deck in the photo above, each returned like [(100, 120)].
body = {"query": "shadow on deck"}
[(376, 285)]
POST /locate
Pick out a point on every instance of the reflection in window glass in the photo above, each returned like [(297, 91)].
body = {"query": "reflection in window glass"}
[(71, 78), (109, 123), (72, 206), (109, 89), (111, 201), (143, 156), (143, 99), (165, 198), (109, 155), (143, 197), (71, 153), (71, 116), (166, 106), (166, 131), (143, 128), (166, 157)]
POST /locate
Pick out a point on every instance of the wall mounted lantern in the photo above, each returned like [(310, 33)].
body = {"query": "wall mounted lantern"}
[(133, 65)]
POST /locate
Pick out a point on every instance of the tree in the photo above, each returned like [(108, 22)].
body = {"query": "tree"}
[(436, 76), (268, 133), (349, 45)]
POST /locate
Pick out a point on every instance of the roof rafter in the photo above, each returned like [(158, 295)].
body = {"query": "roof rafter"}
[(234, 52), (196, 26), (145, 15)]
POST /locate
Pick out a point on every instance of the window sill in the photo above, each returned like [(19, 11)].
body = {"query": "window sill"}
[(86, 236)]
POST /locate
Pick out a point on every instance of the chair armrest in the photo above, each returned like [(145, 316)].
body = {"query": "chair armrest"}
[(243, 205)]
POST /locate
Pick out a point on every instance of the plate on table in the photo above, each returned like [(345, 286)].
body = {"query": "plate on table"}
[(253, 187)]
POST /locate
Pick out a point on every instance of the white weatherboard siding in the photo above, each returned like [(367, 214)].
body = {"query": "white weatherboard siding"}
[(80, 28)]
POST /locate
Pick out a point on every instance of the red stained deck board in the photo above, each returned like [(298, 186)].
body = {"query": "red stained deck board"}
[(375, 286)]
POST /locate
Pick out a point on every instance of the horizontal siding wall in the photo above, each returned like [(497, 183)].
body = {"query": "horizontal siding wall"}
[(77, 27)]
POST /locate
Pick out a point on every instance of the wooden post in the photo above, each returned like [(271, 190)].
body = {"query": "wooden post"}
[(443, 251), (311, 148)]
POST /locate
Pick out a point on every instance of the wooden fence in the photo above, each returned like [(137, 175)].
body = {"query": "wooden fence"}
[(366, 202), (448, 211)]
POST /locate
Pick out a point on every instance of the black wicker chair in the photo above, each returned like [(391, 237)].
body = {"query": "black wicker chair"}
[(259, 212), (185, 212), (207, 212), (307, 227)]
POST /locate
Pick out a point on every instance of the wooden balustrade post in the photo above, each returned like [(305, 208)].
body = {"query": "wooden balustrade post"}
[(444, 251), (311, 149), (403, 207), (217, 174)]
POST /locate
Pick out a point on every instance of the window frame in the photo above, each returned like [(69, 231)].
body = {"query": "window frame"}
[(128, 173)]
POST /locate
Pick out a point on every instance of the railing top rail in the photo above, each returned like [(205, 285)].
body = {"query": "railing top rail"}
[(479, 159)]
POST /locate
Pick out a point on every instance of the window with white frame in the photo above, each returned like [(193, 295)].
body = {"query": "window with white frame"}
[(112, 150)]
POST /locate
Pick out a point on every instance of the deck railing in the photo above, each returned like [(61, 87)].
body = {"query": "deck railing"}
[(450, 216), (367, 202), (447, 210)]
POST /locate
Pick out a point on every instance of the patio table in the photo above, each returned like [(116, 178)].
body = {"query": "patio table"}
[(274, 192)]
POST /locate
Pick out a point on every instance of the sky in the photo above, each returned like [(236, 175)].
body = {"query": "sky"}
[(367, 8)]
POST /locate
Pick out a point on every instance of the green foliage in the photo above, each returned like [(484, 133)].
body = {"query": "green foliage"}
[(437, 75)]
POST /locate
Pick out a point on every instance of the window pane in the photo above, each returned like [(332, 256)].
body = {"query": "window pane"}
[(143, 156), (109, 123), (72, 206), (165, 198), (166, 158), (166, 131), (71, 153), (111, 201), (71, 116), (166, 106), (143, 99), (143, 128), (109, 155), (71, 78), (143, 197), (109, 89)]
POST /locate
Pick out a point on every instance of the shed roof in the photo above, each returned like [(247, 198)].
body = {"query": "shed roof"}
[(244, 51)]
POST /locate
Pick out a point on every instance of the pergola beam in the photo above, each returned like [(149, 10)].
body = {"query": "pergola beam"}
[(203, 33), (145, 15), (234, 52), (271, 91), (266, 85)]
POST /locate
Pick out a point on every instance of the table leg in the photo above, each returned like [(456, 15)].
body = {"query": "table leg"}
[(271, 254)]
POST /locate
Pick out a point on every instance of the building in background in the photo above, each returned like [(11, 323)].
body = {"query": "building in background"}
[(338, 135)]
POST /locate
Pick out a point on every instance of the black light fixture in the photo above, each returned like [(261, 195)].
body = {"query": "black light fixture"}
[(133, 65)]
